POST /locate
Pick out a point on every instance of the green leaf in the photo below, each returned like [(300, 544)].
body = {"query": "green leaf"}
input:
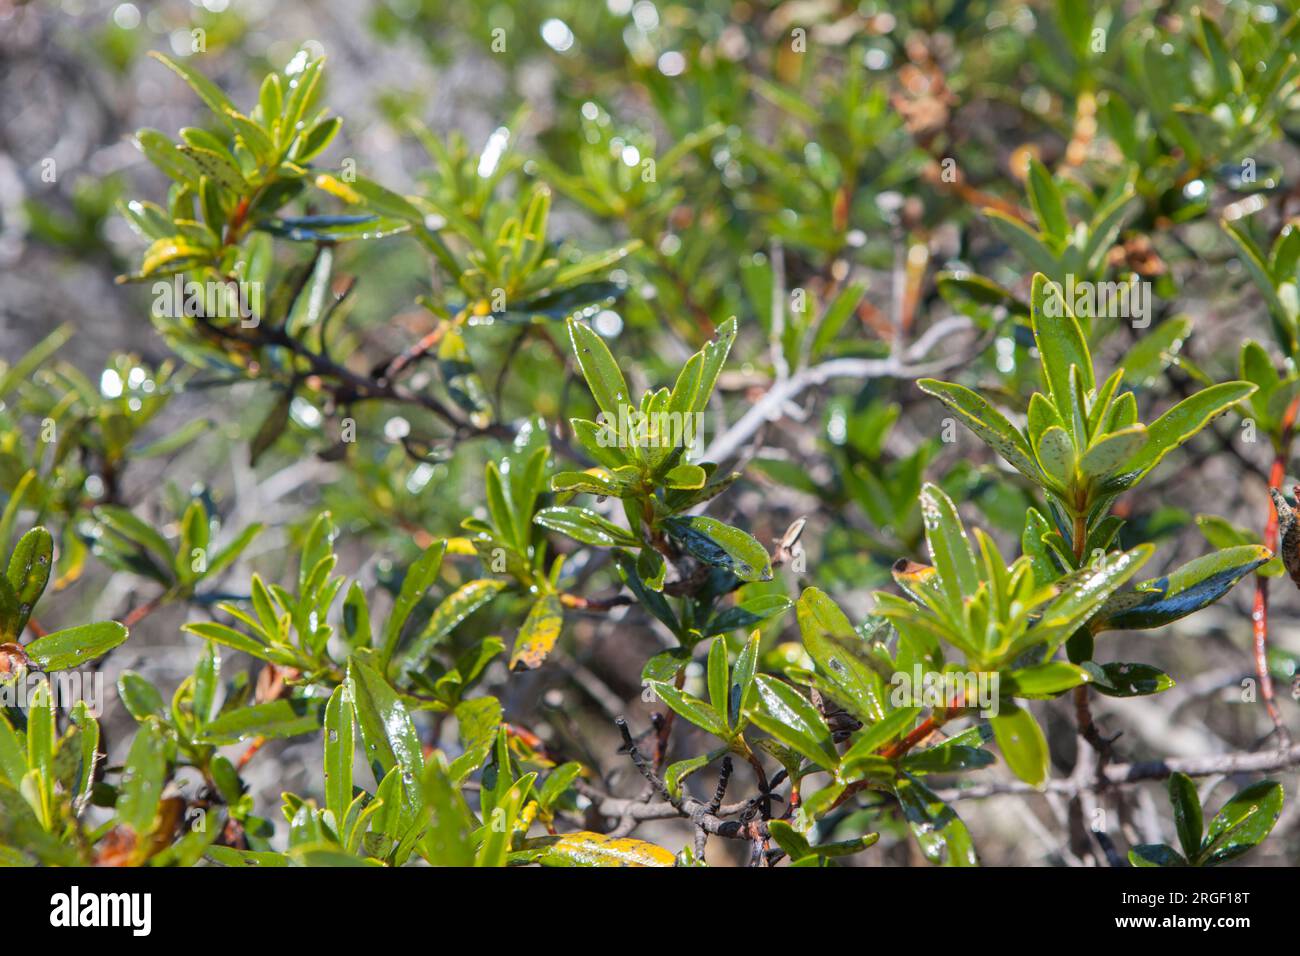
[(746, 614), (208, 91), (788, 716), (457, 606), (950, 549), (986, 422), (537, 636), (870, 739), (339, 751), (11, 376), (1024, 241), (447, 840), (1191, 587), (127, 526), (1184, 420), (718, 678), (13, 753), (419, 578), (74, 646), (143, 776), (692, 708), (1060, 342), (495, 848), (722, 546), (1056, 455), (1155, 854), (790, 840), (652, 601), (679, 771), (1251, 258), (942, 836), (1187, 813), (948, 757), (1022, 743), (1079, 595), (1243, 823), (287, 717), (228, 636), (558, 782), (1118, 679), (1146, 360), (586, 526), (840, 655), (1043, 680), (386, 728), (1049, 206), (1111, 451), (713, 356), (685, 476), (601, 442), (602, 373), (141, 698), (27, 574)]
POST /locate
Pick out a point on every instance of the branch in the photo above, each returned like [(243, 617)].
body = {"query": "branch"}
[(769, 407), (1126, 773)]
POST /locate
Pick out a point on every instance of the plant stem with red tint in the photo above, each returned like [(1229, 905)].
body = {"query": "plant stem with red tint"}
[(1259, 615)]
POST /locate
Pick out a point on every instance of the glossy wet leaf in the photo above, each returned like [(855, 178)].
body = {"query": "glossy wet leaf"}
[(1185, 590), (1121, 679), (287, 717), (339, 744), (697, 711), (586, 526), (950, 549), (787, 715), (1187, 813), (386, 729), (599, 368), (987, 422), (419, 578), (1022, 743), (1060, 341), (75, 646), (1154, 855), (748, 614), (27, 574), (143, 776), (1243, 822), (722, 546), (841, 656), (939, 832), (1184, 420), (1043, 680), (457, 606)]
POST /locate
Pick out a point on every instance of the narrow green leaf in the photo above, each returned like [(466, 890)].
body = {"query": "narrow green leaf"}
[(1022, 743), (722, 546), (788, 716)]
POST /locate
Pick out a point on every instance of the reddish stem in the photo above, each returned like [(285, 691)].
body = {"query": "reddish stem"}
[(1259, 615), (144, 610)]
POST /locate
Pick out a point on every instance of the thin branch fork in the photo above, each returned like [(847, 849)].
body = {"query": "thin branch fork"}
[(769, 407), (708, 817)]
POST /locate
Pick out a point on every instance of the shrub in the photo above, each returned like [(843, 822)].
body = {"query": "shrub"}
[(743, 238)]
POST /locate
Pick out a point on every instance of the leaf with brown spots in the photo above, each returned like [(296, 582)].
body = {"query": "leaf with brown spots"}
[(592, 849)]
